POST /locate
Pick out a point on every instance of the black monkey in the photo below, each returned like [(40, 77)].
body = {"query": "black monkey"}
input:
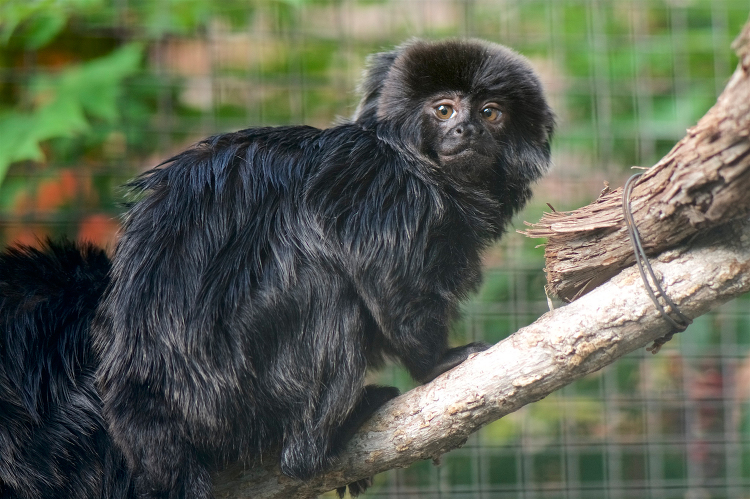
[(259, 275), (53, 441), (261, 272)]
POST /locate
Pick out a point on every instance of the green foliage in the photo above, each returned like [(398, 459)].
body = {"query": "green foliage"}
[(66, 105), (37, 22)]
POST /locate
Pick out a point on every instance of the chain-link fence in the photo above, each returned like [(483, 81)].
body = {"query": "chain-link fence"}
[(94, 91)]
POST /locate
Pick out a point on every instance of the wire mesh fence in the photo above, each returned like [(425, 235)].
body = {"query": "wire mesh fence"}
[(93, 92)]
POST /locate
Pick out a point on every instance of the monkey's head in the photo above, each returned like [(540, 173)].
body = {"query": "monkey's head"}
[(475, 109)]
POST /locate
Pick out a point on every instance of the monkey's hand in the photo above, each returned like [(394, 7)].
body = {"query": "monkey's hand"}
[(453, 357)]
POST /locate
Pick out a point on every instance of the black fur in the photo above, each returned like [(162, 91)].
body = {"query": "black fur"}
[(53, 441), (263, 271), (260, 273)]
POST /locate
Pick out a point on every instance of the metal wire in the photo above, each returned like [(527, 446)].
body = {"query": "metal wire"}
[(682, 321)]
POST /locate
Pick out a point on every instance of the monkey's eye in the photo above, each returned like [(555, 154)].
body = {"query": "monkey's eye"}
[(444, 111), (491, 113)]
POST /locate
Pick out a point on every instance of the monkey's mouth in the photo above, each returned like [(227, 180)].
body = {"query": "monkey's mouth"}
[(469, 147), (464, 152)]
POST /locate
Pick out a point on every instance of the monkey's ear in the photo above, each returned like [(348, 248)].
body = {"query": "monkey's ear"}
[(377, 67)]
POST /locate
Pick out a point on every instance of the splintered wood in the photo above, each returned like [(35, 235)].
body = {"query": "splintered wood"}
[(703, 182)]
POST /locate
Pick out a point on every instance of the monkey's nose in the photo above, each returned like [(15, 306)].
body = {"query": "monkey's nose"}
[(467, 130)]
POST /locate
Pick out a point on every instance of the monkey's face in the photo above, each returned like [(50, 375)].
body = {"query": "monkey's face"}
[(461, 132), (475, 109)]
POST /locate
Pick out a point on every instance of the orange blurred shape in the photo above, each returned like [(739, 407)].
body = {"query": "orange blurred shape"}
[(49, 195), (68, 183), (99, 229), (54, 192)]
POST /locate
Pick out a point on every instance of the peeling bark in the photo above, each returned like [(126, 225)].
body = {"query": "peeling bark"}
[(560, 347), (704, 181)]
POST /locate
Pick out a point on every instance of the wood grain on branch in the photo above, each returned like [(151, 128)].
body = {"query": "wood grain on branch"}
[(704, 181), (557, 349)]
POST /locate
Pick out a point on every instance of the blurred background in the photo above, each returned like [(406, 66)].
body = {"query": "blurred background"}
[(93, 92)]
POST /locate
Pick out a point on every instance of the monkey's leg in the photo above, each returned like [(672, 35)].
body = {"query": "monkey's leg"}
[(329, 371), (314, 434), (311, 428), (373, 397)]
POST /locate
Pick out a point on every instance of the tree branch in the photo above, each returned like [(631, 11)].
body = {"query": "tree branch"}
[(560, 347)]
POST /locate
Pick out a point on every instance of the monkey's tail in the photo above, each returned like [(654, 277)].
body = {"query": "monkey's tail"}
[(53, 440)]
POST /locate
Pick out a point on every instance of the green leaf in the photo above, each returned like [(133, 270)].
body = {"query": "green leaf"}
[(96, 84), (42, 28), (40, 20), (18, 140), (66, 104)]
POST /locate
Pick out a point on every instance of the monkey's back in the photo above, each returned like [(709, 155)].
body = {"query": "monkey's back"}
[(221, 263)]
